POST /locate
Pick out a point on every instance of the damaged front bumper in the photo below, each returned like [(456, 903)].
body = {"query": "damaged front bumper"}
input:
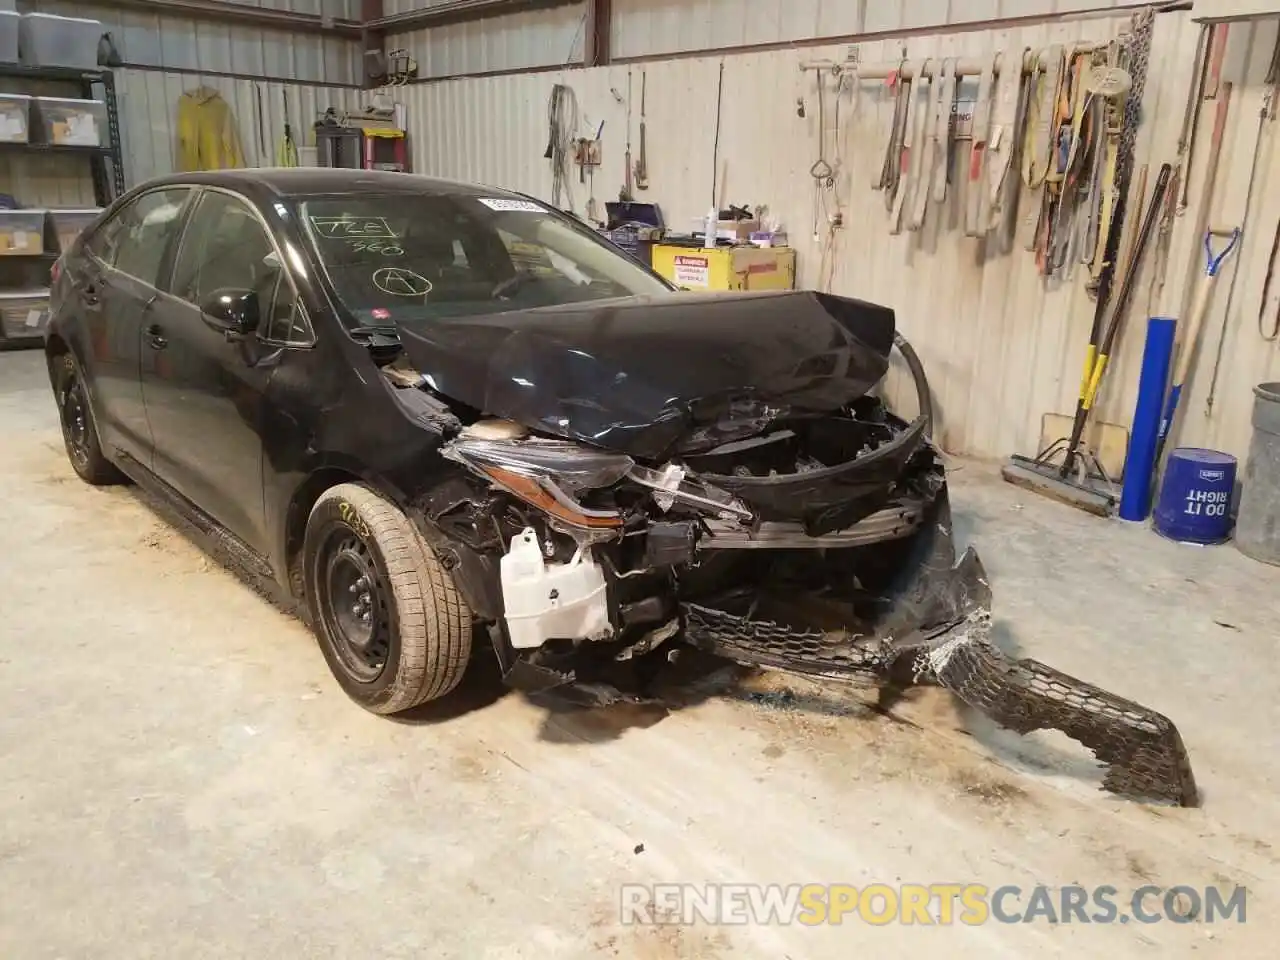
[(844, 573), (938, 632), (932, 628)]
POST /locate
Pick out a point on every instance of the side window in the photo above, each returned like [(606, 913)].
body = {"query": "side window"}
[(134, 241), (224, 247), (283, 319)]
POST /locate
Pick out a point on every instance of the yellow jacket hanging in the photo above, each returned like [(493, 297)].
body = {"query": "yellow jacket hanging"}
[(207, 135)]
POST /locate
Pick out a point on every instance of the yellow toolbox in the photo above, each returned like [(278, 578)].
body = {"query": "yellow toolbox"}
[(726, 268)]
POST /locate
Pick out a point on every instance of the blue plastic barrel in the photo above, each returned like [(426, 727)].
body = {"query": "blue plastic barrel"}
[(1195, 497)]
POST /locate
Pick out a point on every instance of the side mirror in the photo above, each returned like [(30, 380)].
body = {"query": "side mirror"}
[(232, 311)]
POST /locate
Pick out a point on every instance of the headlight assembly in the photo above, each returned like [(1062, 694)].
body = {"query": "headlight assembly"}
[(547, 474)]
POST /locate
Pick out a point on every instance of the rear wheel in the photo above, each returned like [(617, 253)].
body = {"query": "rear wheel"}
[(79, 432), (391, 623)]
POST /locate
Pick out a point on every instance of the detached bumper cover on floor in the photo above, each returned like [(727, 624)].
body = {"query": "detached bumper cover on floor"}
[(939, 633)]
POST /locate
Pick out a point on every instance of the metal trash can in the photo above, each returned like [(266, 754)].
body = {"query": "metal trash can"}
[(1258, 519), (1195, 497)]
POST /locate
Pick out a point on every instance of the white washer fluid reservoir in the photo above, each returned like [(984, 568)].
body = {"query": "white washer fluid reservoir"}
[(546, 601)]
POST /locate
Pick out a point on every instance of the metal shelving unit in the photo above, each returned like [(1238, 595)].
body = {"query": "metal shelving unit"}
[(105, 167)]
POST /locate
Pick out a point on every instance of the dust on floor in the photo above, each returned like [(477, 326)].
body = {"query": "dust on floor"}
[(183, 778)]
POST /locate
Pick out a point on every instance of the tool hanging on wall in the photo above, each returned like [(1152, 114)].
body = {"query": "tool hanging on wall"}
[(1182, 160), (1191, 112), (1038, 137), (1117, 85), (1269, 335), (715, 143), (587, 155), (891, 167), (977, 200), (1266, 114), (1055, 167), (1062, 181), (562, 121), (288, 148), (832, 207), (1221, 111), (1185, 344), (1181, 165), (1108, 87), (923, 154), (942, 131), (625, 194), (907, 159), (822, 172), (1002, 149), (264, 155), (590, 159), (642, 164), (1273, 78)]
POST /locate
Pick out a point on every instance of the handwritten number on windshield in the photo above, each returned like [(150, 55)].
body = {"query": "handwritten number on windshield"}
[(384, 247)]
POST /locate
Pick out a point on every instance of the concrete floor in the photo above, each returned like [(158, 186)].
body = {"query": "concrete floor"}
[(182, 778)]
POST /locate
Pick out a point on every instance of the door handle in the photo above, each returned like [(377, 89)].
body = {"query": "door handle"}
[(155, 337)]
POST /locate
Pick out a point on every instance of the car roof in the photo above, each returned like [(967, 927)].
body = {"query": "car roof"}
[(267, 183)]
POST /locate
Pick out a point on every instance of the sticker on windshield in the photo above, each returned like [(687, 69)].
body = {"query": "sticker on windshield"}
[(396, 282), (346, 228), (512, 206)]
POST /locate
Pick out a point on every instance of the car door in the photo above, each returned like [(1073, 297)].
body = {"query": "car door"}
[(204, 394), (112, 291)]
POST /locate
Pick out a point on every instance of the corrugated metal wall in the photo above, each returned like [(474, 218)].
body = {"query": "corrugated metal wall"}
[(653, 27), (646, 28), (518, 41), (148, 107), (176, 43), (1001, 349)]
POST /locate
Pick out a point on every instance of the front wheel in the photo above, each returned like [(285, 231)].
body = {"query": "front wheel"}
[(392, 625)]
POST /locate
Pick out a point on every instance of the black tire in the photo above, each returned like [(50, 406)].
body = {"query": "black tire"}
[(79, 431), (392, 625)]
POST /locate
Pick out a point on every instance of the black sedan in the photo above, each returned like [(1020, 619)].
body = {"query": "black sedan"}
[(424, 408)]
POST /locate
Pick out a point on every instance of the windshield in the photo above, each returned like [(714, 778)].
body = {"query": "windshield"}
[(407, 257)]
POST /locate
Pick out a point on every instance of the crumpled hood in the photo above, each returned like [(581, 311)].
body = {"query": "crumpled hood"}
[(636, 374)]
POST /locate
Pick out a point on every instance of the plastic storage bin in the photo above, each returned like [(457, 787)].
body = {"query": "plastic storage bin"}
[(69, 224), (45, 40), (21, 233), (68, 122), (23, 313), (15, 117), (9, 25)]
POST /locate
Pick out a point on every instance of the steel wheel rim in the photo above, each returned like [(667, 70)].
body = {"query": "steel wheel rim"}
[(354, 605), (75, 418)]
